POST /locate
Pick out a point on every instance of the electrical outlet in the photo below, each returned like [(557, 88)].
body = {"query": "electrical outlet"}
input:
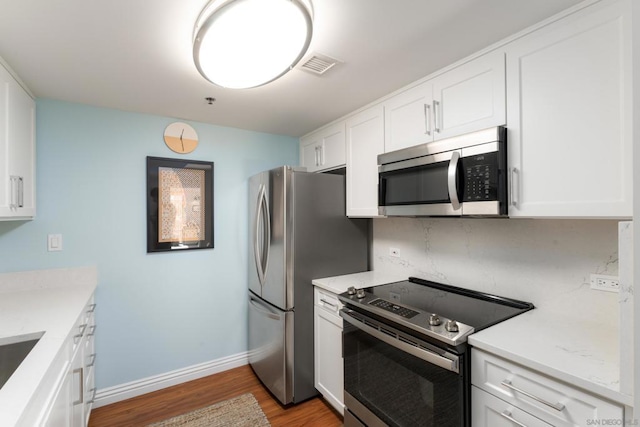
[(602, 282), (394, 252)]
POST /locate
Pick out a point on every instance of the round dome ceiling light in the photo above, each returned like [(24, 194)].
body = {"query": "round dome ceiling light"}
[(241, 44)]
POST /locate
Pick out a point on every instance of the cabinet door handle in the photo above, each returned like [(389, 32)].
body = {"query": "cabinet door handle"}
[(507, 415), (92, 331), (513, 187), (324, 301), (92, 308), (20, 192), (557, 406), (321, 156), (13, 192), (316, 159), (81, 394), (427, 119), (437, 116)]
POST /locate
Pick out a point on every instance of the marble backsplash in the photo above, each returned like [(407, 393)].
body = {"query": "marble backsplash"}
[(546, 262)]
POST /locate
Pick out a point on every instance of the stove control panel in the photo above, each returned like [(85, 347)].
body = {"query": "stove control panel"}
[(431, 324), (407, 313)]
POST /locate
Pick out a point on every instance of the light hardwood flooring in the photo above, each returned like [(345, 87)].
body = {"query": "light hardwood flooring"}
[(176, 400)]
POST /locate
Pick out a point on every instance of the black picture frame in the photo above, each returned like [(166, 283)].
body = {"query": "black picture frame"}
[(179, 204)]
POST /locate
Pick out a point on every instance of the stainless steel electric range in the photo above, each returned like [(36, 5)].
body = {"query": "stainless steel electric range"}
[(406, 358)]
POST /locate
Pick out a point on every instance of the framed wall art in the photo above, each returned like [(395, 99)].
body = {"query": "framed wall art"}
[(179, 204)]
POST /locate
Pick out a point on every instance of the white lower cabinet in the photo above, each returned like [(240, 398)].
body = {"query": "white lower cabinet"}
[(503, 389), (329, 374), (66, 396), (489, 411)]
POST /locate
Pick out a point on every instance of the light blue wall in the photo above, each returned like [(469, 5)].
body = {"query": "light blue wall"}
[(156, 312)]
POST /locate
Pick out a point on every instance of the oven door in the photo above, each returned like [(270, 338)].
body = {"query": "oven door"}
[(392, 378)]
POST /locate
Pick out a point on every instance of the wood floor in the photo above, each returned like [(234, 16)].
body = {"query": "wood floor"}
[(186, 397)]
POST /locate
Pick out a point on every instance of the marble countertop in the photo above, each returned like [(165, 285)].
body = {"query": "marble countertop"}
[(48, 301), (365, 279), (583, 355)]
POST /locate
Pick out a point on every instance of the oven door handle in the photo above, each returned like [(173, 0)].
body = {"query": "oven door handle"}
[(451, 364)]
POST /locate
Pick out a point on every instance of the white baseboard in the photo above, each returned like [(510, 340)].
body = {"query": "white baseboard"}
[(120, 392)]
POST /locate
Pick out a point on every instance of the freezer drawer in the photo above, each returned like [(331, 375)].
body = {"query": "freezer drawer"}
[(271, 347)]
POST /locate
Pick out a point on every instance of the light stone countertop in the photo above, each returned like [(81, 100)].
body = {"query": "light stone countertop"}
[(583, 355), (48, 301), (339, 284)]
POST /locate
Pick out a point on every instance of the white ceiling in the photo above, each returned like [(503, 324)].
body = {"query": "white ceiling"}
[(135, 55)]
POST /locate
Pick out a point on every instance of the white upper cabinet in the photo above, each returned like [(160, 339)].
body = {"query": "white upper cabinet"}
[(408, 118), (569, 116), (365, 140), (324, 149), (470, 97), (17, 150), (464, 99)]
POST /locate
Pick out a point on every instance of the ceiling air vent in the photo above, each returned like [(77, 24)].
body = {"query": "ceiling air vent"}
[(317, 63)]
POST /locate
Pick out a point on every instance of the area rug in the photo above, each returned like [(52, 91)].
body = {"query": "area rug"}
[(241, 411)]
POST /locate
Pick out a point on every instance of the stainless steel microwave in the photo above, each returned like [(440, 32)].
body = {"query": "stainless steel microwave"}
[(461, 176)]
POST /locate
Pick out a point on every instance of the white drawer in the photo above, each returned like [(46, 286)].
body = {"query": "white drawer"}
[(489, 411), (537, 393), (327, 301)]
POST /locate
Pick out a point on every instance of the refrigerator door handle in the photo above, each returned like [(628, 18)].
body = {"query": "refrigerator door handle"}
[(263, 310), (262, 242)]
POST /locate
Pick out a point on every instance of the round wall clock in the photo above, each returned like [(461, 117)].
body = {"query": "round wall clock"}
[(180, 137)]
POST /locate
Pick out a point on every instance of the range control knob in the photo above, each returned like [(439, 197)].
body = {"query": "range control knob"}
[(360, 294), (451, 326), (351, 290), (434, 320)]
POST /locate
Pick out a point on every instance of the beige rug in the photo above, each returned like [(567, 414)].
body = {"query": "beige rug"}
[(241, 411)]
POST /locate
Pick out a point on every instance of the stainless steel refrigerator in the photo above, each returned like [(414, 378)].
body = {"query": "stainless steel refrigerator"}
[(298, 232)]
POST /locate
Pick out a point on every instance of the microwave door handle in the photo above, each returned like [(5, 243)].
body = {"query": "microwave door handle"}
[(452, 180)]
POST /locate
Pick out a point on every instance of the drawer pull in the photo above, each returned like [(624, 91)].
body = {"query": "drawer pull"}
[(93, 360), (322, 300), (93, 396), (557, 406), (507, 415), (92, 308), (77, 337)]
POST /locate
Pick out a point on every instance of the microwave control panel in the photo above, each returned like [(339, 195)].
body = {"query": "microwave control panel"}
[(480, 177)]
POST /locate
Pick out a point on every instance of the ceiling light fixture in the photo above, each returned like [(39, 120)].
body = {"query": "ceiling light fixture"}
[(241, 44)]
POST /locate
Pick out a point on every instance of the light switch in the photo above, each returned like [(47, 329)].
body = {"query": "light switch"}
[(54, 242)]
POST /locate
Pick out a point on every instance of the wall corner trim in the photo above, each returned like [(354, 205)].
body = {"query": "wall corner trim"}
[(125, 391)]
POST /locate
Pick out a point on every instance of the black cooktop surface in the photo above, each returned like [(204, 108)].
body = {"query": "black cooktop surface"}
[(476, 309), (442, 312)]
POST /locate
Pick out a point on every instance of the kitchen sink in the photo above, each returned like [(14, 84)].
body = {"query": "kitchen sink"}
[(13, 350)]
